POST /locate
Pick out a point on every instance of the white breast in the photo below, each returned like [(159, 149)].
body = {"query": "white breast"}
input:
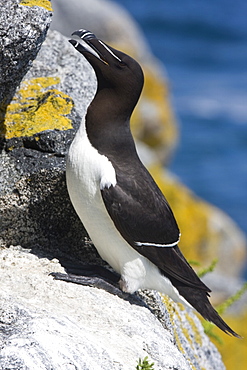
[(88, 172)]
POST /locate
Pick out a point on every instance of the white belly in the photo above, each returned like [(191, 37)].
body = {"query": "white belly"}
[(87, 172)]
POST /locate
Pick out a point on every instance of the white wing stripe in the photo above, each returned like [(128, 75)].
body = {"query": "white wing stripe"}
[(139, 244)]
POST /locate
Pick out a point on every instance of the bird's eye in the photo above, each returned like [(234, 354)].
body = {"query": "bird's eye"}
[(122, 64)]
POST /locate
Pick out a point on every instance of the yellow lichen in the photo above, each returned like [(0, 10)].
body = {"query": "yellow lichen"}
[(171, 310), (174, 313), (197, 335), (43, 3), (37, 107)]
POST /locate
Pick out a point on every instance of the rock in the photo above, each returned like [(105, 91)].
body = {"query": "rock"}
[(23, 28), (52, 324), (34, 197)]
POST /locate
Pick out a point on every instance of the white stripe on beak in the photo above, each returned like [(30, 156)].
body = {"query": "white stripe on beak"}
[(88, 48), (109, 50)]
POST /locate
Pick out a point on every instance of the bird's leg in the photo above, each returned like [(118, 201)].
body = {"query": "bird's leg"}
[(90, 275)]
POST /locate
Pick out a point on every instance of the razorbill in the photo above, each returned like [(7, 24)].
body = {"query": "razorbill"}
[(125, 213)]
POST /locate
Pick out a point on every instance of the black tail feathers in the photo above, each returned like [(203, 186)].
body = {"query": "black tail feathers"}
[(199, 300)]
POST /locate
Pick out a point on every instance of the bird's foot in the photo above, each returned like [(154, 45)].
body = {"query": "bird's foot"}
[(94, 276)]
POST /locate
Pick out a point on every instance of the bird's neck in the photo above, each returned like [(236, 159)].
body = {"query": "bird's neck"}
[(107, 124), (108, 105)]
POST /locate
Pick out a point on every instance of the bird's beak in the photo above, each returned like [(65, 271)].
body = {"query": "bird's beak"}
[(89, 45)]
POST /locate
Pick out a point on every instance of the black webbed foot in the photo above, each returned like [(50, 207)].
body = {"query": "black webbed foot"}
[(95, 276)]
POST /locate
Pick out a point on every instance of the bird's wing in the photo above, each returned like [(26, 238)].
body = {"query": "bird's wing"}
[(143, 217)]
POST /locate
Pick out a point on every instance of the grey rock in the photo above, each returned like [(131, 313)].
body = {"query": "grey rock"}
[(48, 324), (22, 31), (33, 194)]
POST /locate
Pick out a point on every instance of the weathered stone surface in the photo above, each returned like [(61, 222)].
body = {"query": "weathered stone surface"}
[(58, 80), (52, 324), (23, 28), (34, 198)]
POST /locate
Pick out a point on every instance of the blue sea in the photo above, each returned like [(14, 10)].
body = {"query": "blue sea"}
[(203, 45)]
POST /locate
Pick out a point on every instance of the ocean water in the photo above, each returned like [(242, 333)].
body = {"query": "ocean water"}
[(203, 45)]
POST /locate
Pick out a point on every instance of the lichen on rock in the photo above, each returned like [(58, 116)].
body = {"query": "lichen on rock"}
[(36, 107), (43, 3), (22, 29)]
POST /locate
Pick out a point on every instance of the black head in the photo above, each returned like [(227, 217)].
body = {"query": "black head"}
[(120, 77)]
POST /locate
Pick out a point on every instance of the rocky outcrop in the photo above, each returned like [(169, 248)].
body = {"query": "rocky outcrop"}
[(23, 29), (39, 125), (53, 324)]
